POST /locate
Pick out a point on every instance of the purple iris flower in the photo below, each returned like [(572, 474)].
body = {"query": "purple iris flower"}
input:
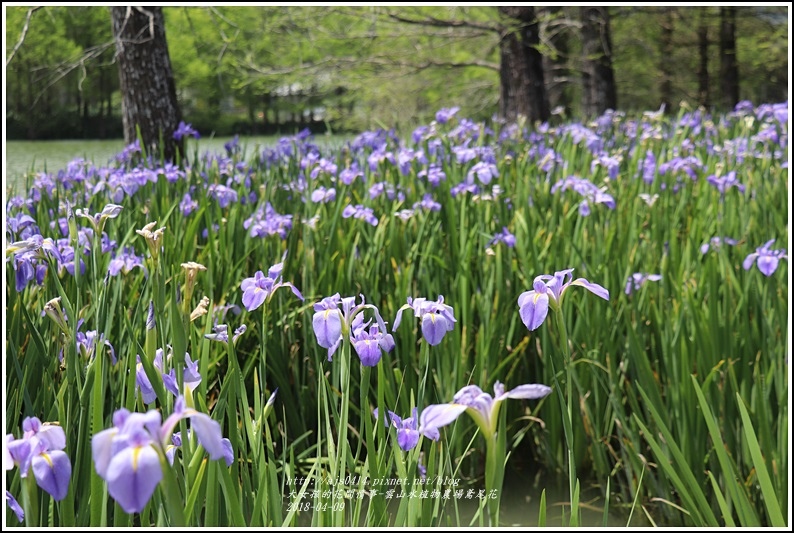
[(485, 172), (464, 186), (176, 442), (348, 175), (368, 343), (187, 205), (611, 163), (434, 174), (407, 429), (360, 212), (766, 258), (649, 167), (41, 449), (97, 221), (263, 223), (142, 379), (504, 236), (427, 203), (723, 183), (87, 343), (481, 406), (588, 190), (330, 325), (190, 377), (185, 129), (125, 261), (222, 194), (324, 166), (548, 292), (437, 318), (14, 505), (260, 287), (638, 279), (715, 243), (445, 114), (323, 195), (220, 333), (128, 455)]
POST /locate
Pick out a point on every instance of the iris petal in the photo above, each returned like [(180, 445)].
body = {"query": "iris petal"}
[(132, 476), (533, 309), (52, 471)]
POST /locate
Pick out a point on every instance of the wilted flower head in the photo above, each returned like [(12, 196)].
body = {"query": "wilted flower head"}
[(191, 271), (154, 239), (548, 292)]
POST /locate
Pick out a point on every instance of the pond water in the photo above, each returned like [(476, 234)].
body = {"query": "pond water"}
[(23, 157)]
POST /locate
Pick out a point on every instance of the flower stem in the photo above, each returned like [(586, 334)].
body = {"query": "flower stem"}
[(567, 412), (30, 501)]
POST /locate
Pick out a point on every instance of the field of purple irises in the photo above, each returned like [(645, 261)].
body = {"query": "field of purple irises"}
[(329, 336)]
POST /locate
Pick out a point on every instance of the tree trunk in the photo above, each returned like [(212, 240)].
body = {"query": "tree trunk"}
[(148, 93), (555, 65), (729, 68), (703, 54), (666, 65), (598, 78), (521, 67)]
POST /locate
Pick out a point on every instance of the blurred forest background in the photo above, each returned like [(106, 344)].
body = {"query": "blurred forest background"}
[(275, 70)]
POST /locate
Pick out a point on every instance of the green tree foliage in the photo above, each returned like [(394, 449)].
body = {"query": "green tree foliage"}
[(267, 69), (61, 79)]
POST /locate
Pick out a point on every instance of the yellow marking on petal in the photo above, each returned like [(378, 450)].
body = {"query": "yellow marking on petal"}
[(135, 452), (46, 457)]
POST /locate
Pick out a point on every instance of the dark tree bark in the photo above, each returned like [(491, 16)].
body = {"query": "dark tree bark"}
[(555, 65), (729, 68), (598, 78), (148, 93), (703, 55), (666, 65), (523, 90)]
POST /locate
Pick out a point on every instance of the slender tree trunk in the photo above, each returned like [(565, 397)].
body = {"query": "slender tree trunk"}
[(598, 78), (729, 68), (703, 55), (148, 93), (666, 64), (521, 67), (555, 65)]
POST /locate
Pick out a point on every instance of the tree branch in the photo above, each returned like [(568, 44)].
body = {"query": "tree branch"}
[(23, 34), (442, 23)]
